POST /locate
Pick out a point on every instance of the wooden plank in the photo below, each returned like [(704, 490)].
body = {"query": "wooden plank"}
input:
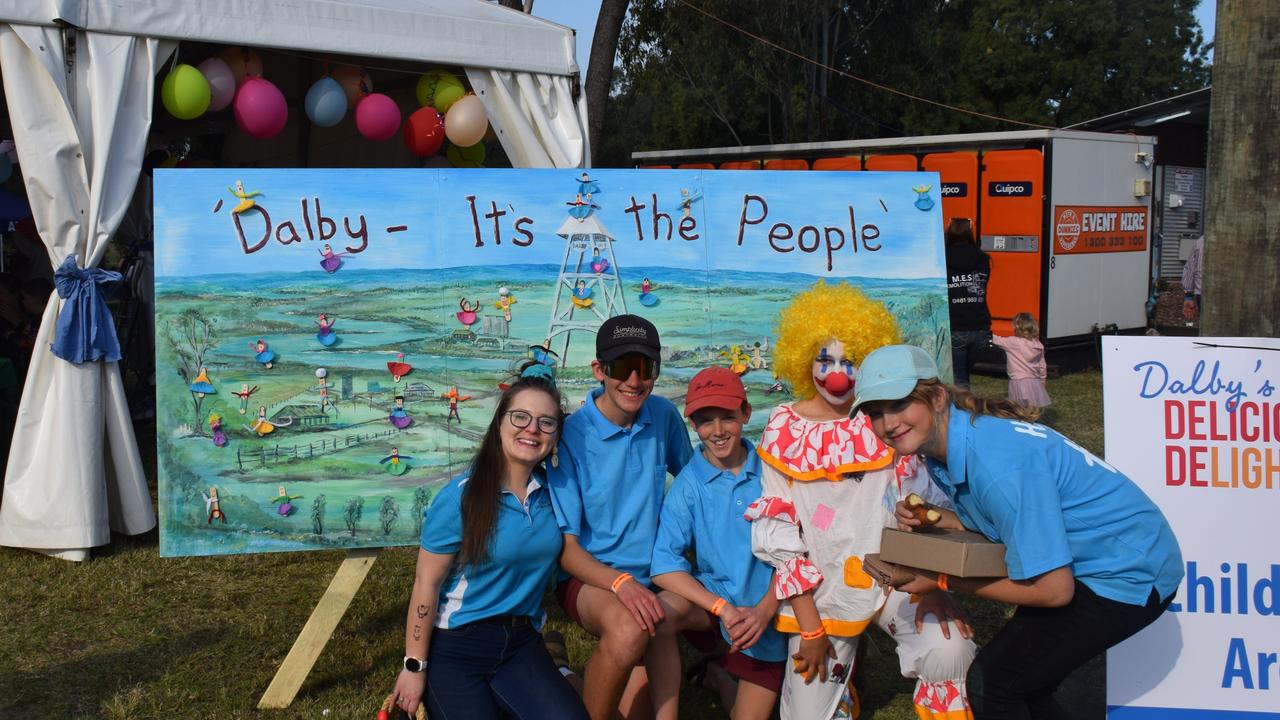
[(319, 628)]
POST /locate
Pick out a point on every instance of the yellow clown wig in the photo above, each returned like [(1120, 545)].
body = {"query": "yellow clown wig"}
[(817, 316)]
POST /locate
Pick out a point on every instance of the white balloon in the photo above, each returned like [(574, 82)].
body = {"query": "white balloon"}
[(465, 124)]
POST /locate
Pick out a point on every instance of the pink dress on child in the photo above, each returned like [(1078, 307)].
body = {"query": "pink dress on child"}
[(1027, 370)]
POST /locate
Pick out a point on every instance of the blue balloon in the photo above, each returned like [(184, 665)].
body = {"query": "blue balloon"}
[(326, 102)]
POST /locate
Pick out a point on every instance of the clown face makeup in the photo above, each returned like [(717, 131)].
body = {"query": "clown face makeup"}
[(833, 374)]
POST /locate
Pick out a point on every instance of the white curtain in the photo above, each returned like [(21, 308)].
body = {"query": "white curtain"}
[(535, 117), (74, 471)]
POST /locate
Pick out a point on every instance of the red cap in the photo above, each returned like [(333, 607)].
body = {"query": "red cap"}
[(714, 387)]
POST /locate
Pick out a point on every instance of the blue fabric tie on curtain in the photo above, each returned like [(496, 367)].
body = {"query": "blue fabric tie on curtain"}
[(85, 331)]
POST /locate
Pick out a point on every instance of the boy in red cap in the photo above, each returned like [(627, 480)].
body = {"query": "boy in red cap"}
[(703, 511)]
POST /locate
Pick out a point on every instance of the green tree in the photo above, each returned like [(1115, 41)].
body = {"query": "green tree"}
[(421, 498), (686, 80), (190, 336), (388, 513), (317, 514), (352, 513)]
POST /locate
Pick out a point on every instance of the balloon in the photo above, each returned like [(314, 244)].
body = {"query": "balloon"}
[(355, 81), (424, 132), (377, 117), (185, 93), (466, 157), (440, 90), (260, 108), (243, 62), (222, 82), (326, 103), (465, 123)]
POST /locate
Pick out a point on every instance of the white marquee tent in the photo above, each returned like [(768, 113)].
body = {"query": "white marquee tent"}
[(79, 77)]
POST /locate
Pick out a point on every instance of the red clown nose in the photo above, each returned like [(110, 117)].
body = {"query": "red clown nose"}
[(837, 383)]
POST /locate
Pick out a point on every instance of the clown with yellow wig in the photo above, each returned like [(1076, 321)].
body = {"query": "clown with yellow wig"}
[(828, 489)]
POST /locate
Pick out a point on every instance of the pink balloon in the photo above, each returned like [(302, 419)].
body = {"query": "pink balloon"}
[(222, 82), (260, 108), (377, 117)]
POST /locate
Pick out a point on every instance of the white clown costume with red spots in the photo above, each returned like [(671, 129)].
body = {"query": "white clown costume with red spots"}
[(828, 493)]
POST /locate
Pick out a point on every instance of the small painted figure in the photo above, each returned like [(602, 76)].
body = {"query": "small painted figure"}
[(587, 186), (923, 201), (323, 388), (544, 354), (399, 417), (647, 298), (399, 368), (758, 361), (505, 301), (285, 502), (467, 315), (582, 295), (454, 398), (215, 427), (687, 201), (395, 462), (598, 264), (201, 385), (246, 201), (265, 427), (263, 354), (739, 362), (329, 260), (212, 506), (244, 393), (325, 334)]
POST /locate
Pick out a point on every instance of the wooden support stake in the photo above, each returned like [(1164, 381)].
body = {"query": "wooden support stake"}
[(319, 628)]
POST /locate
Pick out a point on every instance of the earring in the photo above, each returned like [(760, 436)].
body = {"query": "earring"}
[(555, 457)]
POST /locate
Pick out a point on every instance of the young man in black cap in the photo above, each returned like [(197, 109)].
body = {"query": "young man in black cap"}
[(607, 488)]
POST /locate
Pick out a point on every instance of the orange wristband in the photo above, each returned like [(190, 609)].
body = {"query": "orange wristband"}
[(942, 582), (718, 605), (813, 634), (618, 581)]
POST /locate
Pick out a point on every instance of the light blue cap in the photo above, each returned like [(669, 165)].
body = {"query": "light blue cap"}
[(891, 373)]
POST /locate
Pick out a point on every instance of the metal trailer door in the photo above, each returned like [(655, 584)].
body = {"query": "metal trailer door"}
[(1100, 226), (958, 172), (1012, 184)]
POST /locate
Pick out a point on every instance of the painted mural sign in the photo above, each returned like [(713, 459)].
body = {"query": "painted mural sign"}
[(330, 343)]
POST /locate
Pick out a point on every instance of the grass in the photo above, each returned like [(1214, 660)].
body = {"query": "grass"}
[(131, 635)]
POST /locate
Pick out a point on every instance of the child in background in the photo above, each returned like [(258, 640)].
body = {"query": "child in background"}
[(1025, 358), (703, 511)]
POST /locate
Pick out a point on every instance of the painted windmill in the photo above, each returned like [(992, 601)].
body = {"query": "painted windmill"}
[(588, 290)]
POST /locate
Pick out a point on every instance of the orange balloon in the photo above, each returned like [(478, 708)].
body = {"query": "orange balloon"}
[(244, 62), (354, 81)]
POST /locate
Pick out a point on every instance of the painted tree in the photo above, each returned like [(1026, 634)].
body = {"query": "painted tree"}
[(317, 514), (388, 513), (421, 498), (1241, 270), (191, 337), (352, 513)]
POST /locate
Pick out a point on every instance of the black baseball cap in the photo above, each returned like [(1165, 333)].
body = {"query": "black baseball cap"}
[(624, 334)]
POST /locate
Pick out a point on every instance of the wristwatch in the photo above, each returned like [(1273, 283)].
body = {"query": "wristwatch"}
[(414, 665)]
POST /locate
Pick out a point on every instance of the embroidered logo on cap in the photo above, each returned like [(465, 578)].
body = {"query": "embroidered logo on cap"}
[(630, 331)]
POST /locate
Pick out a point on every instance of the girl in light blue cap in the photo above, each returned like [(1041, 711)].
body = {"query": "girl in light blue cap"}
[(1091, 559)]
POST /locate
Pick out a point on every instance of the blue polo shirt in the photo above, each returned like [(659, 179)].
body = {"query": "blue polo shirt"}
[(703, 511), (1053, 504), (522, 556), (608, 487)]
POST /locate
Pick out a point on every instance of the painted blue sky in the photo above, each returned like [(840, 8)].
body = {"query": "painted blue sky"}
[(194, 240)]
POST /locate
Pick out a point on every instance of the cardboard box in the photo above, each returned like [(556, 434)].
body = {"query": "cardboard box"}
[(954, 552)]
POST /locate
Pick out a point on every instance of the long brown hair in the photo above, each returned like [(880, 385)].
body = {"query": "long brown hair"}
[(484, 486), (975, 405)]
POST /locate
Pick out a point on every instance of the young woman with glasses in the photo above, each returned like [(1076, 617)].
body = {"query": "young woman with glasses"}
[(489, 546)]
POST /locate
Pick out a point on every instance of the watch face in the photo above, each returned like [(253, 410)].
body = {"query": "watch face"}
[(413, 664)]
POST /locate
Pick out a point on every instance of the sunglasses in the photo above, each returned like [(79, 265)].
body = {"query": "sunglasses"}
[(520, 419), (621, 368)]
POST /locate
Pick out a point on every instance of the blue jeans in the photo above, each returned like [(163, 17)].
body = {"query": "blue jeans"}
[(485, 671), (964, 346)]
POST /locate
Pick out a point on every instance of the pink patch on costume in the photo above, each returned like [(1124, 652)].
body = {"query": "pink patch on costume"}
[(822, 517)]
